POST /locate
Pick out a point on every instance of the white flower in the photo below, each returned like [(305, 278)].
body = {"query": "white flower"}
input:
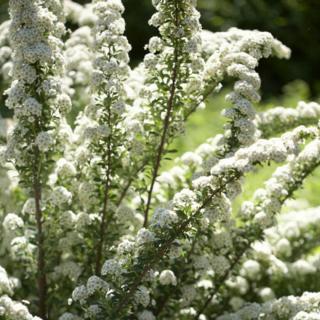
[(112, 267), (64, 102), (167, 277), (202, 262), (29, 207), (44, 141), (155, 44), (142, 296), (12, 222), (191, 158), (263, 250), (60, 196), (185, 198), (266, 294), (239, 284), (83, 220), (68, 316), (283, 247), (69, 269), (164, 218), (144, 236), (16, 310), (251, 269), (205, 284), (32, 106), (303, 267), (251, 311), (65, 168), (236, 303), (302, 315), (150, 60), (146, 315), (220, 264), (5, 284), (94, 310), (125, 246), (95, 283), (80, 294)]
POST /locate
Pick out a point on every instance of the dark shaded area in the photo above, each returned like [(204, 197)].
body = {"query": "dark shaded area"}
[(294, 22)]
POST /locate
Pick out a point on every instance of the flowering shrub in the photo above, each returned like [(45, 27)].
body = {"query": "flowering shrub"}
[(93, 228)]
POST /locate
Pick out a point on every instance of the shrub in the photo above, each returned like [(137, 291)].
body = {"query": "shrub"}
[(93, 228)]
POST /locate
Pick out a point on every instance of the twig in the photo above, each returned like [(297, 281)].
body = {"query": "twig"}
[(166, 125), (41, 263), (104, 222)]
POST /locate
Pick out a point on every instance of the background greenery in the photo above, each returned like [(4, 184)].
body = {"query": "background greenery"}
[(294, 22)]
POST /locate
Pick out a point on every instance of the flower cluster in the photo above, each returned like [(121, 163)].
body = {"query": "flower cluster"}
[(92, 227), (100, 131), (279, 119), (291, 308), (5, 51), (37, 59), (236, 54), (10, 309), (78, 71), (38, 100), (78, 14)]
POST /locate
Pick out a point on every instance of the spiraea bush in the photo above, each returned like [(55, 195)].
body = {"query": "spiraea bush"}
[(92, 227)]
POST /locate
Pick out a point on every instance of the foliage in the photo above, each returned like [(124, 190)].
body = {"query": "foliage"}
[(96, 226)]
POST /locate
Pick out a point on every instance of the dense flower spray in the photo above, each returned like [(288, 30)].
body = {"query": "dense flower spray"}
[(101, 127), (37, 99), (91, 225)]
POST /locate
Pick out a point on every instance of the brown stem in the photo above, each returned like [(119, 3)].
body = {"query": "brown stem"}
[(124, 191), (206, 94), (103, 226), (104, 222), (129, 183), (166, 125), (41, 263)]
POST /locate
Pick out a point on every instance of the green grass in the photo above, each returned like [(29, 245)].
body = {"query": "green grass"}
[(208, 122)]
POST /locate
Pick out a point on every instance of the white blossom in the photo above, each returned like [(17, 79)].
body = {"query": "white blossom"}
[(167, 277)]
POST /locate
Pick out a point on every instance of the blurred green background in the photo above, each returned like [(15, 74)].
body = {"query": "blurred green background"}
[(294, 22)]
